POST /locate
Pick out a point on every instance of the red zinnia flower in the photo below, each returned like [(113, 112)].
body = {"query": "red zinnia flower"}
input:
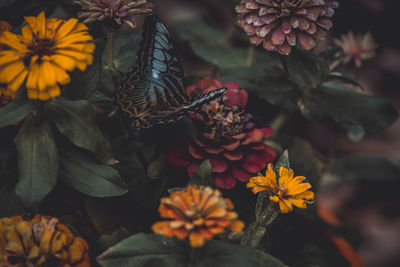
[(227, 136)]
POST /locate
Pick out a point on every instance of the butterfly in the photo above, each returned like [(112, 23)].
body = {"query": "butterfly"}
[(154, 91)]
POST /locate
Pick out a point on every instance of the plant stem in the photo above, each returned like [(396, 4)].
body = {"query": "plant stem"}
[(250, 56), (110, 48)]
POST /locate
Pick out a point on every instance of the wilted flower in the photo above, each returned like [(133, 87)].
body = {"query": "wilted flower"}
[(228, 136), (43, 53), (281, 24), (42, 241), (119, 10), (199, 213), (357, 47), (287, 192), (4, 26)]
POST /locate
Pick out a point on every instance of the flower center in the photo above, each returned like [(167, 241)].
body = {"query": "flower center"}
[(222, 120), (287, 7), (282, 191), (40, 47)]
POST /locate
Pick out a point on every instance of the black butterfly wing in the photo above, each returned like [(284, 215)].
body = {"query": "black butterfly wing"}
[(154, 91)]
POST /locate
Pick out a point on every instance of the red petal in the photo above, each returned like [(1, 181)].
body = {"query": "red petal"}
[(224, 180), (269, 154), (305, 40), (214, 151), (257, 146), (232, 146), (200, 143), (239, 136), (278, 36), (267, 131), (191, 89), (209, 82), (231, 85), (240, 174), (244, 96), (233, 155), (256, 135), (193, 168), (195, 152), (178, 157), (218, 165), (247, 141), (254, 161)]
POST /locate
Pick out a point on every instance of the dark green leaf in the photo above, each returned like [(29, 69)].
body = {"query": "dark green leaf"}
[(364, 168), (305, 68), (89, 177), (213, 45), (156, 250), (304, 161), (283, 161), (270, 84), (37, 161), (102, 101), (76, 120), (203, 175), (352, 110), (17, 109), (332, 76), (333, 55)]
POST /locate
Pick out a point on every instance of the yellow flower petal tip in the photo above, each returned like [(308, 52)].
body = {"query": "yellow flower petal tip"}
[(42, 54), (197, 213), (288, 191)]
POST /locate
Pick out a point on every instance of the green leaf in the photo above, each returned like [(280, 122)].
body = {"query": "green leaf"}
[(102, 101), (203, 175), (89, 177), (37, 161), (305, 68), (283, 161), (270, 84), (333, 55), (76, 120), (213, 45), (156, 250), (17, 109), (350, 109), (332, 76)]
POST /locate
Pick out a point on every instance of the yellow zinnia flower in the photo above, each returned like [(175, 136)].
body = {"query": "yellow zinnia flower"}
[(43, 53), (287, 192)]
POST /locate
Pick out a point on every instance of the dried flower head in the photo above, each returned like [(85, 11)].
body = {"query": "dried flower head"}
[(287, 192), (281, 24), (43, 53), (198, 213), (42, 241), (121, 11), (227, 135), (357, 47)]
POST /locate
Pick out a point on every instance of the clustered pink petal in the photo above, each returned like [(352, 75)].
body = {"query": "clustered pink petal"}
[(281, 24), (227, 136)]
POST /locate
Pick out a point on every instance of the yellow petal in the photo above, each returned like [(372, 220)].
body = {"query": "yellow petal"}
[(64, 62), (33, 93), (298, 203), (285, 206), (78, 55), (27, 33), (49, 73), (274, 199), (42, 81), (257, 189), (66, 28), (44, 96), (297, 189), (7, 57), (54, 91), (12, 40), (17, 82), (308, 195), (41, 24), (32, 81), (61, 75), (81, 65), (10, 71), (196, 239)]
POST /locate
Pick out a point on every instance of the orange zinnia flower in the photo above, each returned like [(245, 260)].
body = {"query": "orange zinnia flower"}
[(43, 53), (287, 192), (42, 241), (199, 213)]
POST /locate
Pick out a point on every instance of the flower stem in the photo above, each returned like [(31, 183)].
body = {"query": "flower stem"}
[(266, 212), (250, 56), (110, 48)]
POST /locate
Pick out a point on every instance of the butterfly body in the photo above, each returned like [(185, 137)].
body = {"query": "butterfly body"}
[(154, 91)]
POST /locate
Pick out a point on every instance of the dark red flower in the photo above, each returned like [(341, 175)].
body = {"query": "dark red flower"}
[(227, 136)]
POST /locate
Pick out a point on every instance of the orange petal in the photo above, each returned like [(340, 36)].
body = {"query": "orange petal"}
[(196, 239)]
